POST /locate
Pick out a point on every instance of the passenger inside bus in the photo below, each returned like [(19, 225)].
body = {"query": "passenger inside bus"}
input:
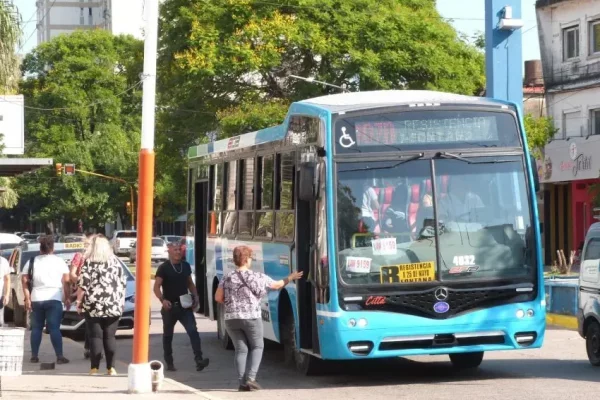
[(461, 202)]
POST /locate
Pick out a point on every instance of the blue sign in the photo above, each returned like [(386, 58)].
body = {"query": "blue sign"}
[(441, 307)]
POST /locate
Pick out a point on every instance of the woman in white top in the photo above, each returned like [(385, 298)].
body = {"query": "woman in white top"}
[(50, 284)]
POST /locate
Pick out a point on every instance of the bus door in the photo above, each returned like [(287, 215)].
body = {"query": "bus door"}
[(306, 291), (200, 229)]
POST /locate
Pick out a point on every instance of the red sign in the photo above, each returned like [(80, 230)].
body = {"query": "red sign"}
[(375, 301)]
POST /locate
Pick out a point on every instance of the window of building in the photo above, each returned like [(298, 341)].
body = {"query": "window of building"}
[(90, 17), (230, 214), (284, 218), (595, 119), (81, 17), (571, 43), (571, 124), (246, 213), (595, 37)]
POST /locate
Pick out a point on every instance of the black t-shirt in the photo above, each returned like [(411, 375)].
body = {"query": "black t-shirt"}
[(175, 279)]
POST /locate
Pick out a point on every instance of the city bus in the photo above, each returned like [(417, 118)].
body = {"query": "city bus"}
[(411, 213)]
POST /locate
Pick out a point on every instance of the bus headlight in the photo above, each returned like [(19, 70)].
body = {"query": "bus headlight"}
[(520, 313), (352, 323), (362, 322), (530, 313)]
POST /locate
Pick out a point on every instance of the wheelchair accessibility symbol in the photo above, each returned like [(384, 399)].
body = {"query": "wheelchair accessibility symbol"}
[(346, 140)]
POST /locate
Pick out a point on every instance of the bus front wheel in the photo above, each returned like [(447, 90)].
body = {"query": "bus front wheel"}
[(222, 334), (304, 363), (466, 360)]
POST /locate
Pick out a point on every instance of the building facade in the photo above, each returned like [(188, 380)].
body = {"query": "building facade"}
[(66, 16), (569, 32)]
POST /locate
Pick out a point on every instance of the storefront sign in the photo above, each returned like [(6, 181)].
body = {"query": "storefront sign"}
[(570, 160)]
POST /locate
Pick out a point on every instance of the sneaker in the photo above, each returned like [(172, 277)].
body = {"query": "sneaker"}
[(202, 363), (62, 360), (253, 385), (94, 371), (171, 367), (111, 372), (243, 388), (34, 360)]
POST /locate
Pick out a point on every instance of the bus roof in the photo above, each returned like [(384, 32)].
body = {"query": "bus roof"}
[(339, 103)]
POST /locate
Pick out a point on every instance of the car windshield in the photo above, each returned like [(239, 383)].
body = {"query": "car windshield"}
[(158, 242), (127, 234), (173, 239), (387, 225)]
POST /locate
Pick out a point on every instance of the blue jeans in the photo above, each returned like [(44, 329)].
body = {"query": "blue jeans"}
[(49, 313), (188, 320)]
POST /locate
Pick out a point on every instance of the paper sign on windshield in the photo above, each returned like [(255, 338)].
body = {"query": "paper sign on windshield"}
[(384, 247), (358, 265)]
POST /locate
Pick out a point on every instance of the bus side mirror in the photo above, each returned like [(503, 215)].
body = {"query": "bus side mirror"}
[(536, 176), (306, 188)]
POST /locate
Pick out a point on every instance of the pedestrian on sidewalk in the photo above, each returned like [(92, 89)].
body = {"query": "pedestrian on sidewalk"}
[(4, 286), (76, 264), (101, 297), (241, 291), (45, 281), (172, 285)]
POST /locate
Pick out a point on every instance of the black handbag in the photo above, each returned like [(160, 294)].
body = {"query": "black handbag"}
[(30, 283)]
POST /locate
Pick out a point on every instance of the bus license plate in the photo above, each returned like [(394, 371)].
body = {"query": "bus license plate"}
[(408, 273)]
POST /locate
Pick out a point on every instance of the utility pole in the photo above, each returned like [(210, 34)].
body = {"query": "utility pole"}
[(139, 372), (503, 51)]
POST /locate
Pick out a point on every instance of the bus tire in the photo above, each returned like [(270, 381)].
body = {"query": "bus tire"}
[(304, 363), (467, 360), (592, 343), (222, 334)]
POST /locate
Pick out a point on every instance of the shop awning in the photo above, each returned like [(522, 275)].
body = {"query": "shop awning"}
[(17, 166)]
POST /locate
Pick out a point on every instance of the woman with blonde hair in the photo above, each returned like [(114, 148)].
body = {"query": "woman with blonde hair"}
[(101, 297)]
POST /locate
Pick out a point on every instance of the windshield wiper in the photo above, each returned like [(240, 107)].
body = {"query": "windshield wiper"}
[(411, 158), (447, 155)]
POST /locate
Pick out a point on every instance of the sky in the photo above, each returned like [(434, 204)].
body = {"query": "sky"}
[(468, 16)]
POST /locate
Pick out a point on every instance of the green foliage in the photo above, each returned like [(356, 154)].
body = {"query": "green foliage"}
[(87, 84), (224, 65), (539, 131), (10, 36)]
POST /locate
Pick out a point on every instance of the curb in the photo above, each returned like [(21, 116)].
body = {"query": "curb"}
[(563, 321)]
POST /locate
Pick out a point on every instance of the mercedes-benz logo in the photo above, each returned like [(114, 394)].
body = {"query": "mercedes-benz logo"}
[(441, 293)]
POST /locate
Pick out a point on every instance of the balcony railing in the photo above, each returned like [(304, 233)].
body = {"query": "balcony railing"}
[(573, 76)]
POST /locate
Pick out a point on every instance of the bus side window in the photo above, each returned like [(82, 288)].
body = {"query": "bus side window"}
[(284, 219), (246, 197), (215, 199), (265, 178), (230, 214)]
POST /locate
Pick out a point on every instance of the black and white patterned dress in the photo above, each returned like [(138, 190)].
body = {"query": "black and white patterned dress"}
[(104, 286)]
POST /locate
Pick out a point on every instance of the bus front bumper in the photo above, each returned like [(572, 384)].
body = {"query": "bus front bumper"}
[(385, 334)]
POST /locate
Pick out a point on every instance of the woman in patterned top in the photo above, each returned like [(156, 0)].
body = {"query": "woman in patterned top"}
[(241, 291), (101, 297)]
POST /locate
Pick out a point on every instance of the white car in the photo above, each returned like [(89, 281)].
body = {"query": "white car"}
[(159, 251), (121, 241)]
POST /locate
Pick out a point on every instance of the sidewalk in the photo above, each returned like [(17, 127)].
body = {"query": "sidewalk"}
[(73, 380)]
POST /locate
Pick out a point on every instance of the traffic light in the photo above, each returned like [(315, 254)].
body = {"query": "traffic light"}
[(69, 169), (128, 206), (58, 169)]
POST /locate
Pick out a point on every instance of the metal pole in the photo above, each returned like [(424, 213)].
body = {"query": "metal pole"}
[(140, 379)]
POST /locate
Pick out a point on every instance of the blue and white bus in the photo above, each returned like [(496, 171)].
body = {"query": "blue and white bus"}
[(412, 214)]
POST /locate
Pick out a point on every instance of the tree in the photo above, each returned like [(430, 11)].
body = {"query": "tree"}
[(539, 131), (224, 65), (84, 93), (10, 35)]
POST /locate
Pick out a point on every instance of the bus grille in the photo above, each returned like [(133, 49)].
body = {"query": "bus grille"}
[(459, 301)]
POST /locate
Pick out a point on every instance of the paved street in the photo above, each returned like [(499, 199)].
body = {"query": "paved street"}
[(560, 369)]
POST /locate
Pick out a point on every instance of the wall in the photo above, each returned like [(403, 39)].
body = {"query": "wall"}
[(12, 124), (127, 17)]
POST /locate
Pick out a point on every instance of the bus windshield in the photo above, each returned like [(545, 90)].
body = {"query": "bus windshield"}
[(388, 231)]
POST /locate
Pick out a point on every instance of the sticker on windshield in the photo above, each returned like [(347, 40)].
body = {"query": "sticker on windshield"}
[(346, 140), (384, 247), (463, 269), (464, 260), (358, 265), (74, 245)]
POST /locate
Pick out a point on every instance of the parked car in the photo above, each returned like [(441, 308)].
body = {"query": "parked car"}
[(588, 313), (72, 322), (31, 237), (72, 238), (159, 253), (172, 238), (121, 242), (21, 233)]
